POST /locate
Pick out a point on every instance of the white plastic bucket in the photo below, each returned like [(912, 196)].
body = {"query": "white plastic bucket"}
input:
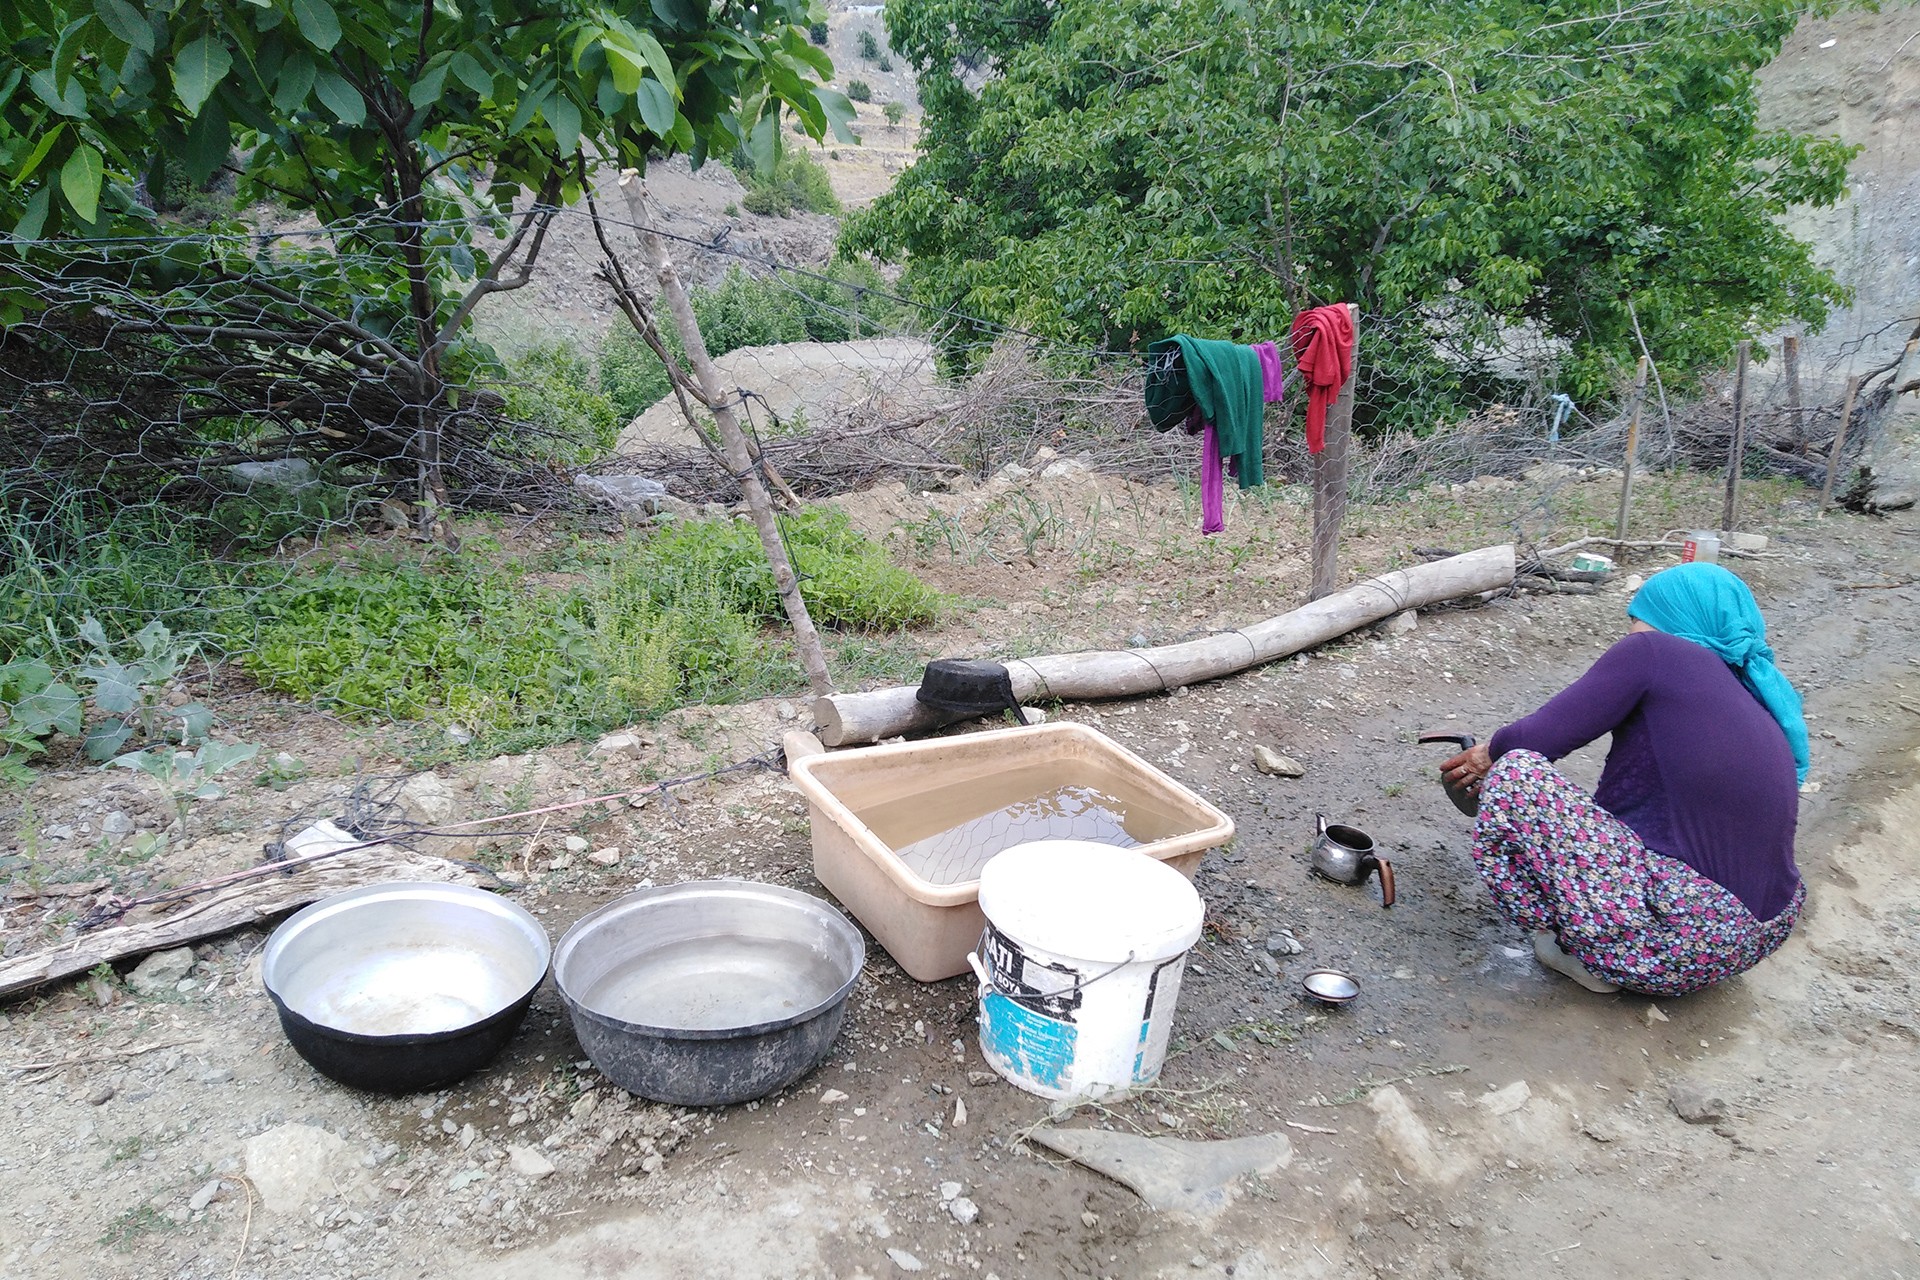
[(1080, 966)]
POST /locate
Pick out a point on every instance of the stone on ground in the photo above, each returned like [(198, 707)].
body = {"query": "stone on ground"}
[(160, 971), (1409, 1141), (1171, 1173), (1269, 761), (1696, 1103), (1504, 1102), (528, 1162), (293, 1165)]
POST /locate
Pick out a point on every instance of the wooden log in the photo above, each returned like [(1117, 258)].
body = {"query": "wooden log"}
[(847, 718), (229, 907), (1330, 478)]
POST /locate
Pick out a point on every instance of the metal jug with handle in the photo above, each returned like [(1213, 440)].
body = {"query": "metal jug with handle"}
[(1465, 800), (1346, 855)]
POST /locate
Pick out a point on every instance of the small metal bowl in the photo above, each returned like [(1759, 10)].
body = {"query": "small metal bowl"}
[(398, 988), (710, 992), (1330, 986)]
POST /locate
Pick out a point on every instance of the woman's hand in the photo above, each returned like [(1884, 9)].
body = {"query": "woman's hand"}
[(1469, 769)]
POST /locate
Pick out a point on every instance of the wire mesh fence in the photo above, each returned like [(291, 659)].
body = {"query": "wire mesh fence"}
[(244, 437)]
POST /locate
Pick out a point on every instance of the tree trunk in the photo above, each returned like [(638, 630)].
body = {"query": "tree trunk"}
[(1330, 479), (733, 441)]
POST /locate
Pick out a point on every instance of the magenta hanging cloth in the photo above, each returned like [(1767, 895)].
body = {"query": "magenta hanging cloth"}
[(1213, 485), (1273, 375), (1213, 488)]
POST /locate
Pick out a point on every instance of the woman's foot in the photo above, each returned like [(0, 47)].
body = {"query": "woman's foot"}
[(1546, 948)]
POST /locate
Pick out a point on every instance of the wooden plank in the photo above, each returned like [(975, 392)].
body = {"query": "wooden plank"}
[(1633, 448), (1737, 447), (1839, 441), (1330, 468), (847, 718), (232, 906)]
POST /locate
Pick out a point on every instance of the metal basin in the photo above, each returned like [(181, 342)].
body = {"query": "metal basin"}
[(710, 992), (403, 987)]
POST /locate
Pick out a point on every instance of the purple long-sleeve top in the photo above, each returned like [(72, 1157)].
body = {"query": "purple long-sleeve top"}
[(1698, 768)]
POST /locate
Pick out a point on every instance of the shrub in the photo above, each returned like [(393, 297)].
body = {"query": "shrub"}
[(850, 303), (869, 47), (798, 181), (895, 112), (860, 91), (817, 33), (631, 376), (768, 202), (748, 311), (664, 618), (885, 63), (552, 387)]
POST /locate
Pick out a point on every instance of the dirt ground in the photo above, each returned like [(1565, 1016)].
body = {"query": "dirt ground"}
[(178, 1135)]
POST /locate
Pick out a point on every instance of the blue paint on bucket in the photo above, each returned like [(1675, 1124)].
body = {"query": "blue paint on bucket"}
[(1039, 1048)]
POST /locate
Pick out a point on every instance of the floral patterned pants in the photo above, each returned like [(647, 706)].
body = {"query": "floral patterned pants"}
[(1555, 860)]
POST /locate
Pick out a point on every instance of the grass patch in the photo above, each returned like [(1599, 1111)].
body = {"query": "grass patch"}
[(133, 1224), (662, 619)]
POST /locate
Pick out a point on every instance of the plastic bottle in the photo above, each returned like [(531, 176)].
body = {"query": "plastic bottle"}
[(1702, 546)]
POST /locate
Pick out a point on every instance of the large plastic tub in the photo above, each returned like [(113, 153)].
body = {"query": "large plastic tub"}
[(868, 804)]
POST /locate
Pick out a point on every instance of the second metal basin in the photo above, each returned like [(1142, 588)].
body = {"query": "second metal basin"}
[(711, 992)]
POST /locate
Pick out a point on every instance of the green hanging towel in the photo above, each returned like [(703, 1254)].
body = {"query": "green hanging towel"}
[(1223, 381)]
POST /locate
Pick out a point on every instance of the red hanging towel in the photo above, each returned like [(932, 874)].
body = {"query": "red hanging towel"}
[(1323, 344)]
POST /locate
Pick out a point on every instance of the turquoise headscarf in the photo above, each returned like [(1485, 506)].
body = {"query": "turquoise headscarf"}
[(1710, 606)]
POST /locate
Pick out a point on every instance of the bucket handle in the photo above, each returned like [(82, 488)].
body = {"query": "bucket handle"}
[(988, 985), (980, 970)]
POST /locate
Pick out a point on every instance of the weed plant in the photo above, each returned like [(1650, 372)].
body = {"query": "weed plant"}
[(657, 621)]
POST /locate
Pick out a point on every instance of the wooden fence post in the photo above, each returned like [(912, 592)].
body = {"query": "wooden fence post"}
[(1737, 448), (1330, 479), (1839, 441), (1790, 360), (1633, 448)]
